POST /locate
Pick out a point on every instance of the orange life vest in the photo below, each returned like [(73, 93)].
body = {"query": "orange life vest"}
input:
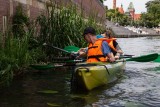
[(110, 43), (95, 53)]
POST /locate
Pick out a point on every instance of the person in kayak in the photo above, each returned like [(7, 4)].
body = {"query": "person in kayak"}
[(114, 46), (98, 49)]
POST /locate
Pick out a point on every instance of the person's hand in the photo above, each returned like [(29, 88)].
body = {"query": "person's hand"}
[(116, 57), (81, 54), (120, 51), (82, 50), (74, 55), (112, 59)]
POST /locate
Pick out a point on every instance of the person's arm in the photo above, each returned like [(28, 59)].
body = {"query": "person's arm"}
[(116, 45), (119, 50), (107, 51)]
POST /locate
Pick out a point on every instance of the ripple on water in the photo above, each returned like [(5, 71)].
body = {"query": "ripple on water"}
[(138, 89), (151, 98)]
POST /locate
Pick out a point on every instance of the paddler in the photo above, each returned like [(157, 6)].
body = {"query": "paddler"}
[(98, 49)]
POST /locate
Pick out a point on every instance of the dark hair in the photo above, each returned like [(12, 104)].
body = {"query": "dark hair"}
[(108, 33), (89, 30), (104, 31)]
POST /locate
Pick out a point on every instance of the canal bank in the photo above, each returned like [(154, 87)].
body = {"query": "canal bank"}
[(130, 32), (134, 36)]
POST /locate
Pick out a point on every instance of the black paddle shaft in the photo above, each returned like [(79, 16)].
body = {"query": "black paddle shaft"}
[(56, 48), (73, 55)]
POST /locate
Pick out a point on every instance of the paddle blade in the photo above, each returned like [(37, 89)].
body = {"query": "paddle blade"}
[(158, 59), (144, 58), (71, 48)]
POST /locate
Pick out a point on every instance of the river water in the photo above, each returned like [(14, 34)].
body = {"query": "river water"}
[(138, 87)]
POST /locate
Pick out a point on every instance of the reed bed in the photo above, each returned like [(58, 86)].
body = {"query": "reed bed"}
[(59, 26), (64, 26)]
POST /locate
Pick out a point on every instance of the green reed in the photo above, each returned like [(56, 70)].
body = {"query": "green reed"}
[(64, 26), (15, 56)]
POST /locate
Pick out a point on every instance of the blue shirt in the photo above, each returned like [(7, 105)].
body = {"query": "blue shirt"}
[(105, 48), (99, 36)]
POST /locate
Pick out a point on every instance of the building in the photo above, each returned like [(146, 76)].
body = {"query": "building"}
[(120, 9), (33, 8), (114, 4), (130, 11)]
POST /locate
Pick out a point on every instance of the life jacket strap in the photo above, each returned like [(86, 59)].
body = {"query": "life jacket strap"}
[(96, 56), (93, 47)]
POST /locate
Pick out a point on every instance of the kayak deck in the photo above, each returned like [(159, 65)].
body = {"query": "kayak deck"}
[(92, 76)]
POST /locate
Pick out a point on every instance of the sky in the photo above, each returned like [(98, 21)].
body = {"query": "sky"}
[(139, 5)]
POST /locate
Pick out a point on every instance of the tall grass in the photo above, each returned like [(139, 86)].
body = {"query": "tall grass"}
[(64, 26), (14, 49), (14, 53)]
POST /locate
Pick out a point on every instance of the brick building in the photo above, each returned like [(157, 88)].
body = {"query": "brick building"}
[(129, 12), (34, 7)]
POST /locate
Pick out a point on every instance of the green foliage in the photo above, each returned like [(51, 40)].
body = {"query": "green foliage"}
[(16, 53), (19, 48), (115, 16), (149, 3), (20, 22), (6, 76), (101, 1), (64, 26), (152, 17)]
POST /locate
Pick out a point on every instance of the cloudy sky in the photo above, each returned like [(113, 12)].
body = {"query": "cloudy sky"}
[(139, 5)]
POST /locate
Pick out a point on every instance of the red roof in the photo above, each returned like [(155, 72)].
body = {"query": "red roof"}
[(137, 16), (120, 9)]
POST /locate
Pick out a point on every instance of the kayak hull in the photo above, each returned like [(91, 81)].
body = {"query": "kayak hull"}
[(91, 76)]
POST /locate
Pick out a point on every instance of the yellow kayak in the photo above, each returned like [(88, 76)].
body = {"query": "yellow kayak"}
[(91, 75)]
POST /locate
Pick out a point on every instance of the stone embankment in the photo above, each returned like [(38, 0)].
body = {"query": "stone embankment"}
[(130, 32)]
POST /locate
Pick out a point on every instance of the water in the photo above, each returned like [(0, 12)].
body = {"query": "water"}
[(138, 87)]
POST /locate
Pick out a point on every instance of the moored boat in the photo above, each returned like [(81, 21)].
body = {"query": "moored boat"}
[(92, 75)]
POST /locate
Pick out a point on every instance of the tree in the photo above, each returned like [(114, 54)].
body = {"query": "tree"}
[(151, 18), (101, 1), (116, 16)]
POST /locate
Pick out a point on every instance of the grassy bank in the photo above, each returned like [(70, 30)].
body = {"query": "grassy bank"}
[(22, 46)]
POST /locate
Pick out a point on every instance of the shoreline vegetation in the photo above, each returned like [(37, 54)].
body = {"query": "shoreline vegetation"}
[(21, 45)]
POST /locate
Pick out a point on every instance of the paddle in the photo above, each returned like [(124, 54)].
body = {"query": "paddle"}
[(126, 56), (71, 48), (158, 59), (50, 66), (143, 58), (75, 49), (45, 44), (73, 54)]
